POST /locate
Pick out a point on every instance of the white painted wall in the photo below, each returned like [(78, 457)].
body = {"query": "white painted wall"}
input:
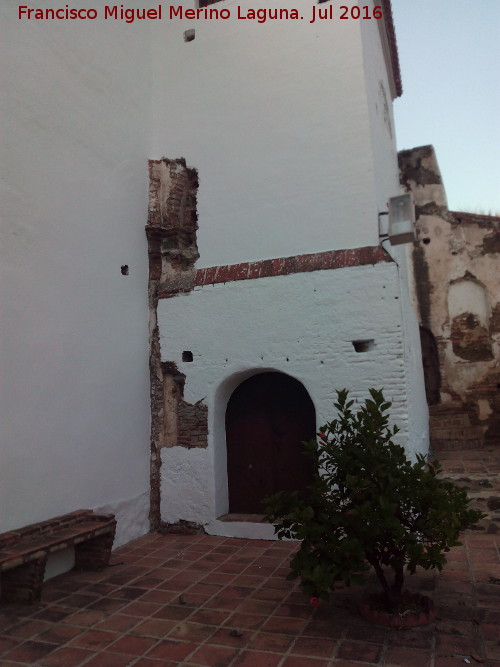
[(302, 325), (75, 427), (290, 127), (382, 129), (275, 118), (284, 129)]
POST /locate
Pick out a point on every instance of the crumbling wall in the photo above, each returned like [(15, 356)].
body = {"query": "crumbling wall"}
[(172, 251), (457, 291)]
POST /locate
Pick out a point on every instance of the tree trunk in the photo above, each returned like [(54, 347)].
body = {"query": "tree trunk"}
[(397, 587), (392, 593)]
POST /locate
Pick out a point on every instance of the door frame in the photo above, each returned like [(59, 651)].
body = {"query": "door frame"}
[(217, 424)]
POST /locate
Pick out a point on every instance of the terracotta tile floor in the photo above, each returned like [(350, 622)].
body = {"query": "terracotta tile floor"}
[(201, 600)]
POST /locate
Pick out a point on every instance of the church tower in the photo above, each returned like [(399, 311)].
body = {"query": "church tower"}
[(272, 284)]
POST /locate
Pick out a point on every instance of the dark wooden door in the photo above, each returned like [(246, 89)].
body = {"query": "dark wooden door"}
[(430, 362), (267, 417)]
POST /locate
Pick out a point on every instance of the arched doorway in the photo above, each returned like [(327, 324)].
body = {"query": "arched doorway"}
[(267, 418), (430, 362)]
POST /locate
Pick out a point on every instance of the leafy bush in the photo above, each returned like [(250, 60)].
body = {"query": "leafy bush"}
[(368, 506)]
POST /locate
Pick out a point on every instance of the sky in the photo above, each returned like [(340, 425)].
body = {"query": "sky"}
[(449, 53)]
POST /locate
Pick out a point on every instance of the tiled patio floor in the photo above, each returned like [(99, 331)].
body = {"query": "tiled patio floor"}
[(201, 600)]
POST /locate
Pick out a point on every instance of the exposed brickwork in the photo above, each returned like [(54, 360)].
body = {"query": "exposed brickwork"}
[(481, 220), (192, 424), (172, 191), (185, 424), (470, 340), (94, 554), (495, 319), (181, 527), (283, 266), (451, 429), (24, 552), (23, 584), (172, 252), (172, 219)]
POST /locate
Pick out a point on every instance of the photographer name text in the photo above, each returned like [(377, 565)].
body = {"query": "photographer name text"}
[(171, 12)]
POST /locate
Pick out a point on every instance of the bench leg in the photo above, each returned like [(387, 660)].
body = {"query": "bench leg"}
[(94, 554), (23, 584)]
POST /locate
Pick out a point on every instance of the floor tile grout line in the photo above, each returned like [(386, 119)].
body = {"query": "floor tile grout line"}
[(474, 543)]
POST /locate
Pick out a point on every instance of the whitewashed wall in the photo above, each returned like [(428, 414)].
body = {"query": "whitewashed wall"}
[(275, 118), (74, 349), (302, 325), (290, 126), (284, 129)]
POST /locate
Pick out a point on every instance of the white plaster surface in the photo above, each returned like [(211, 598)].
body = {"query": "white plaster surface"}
[(380, 111), (76, 418), (241, 529), (467, 296), (132, 517), (302, 325), (282, 124), (286, 124), (187, 486)]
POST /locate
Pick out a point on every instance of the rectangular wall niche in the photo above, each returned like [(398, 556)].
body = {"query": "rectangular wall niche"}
[(363, 345)]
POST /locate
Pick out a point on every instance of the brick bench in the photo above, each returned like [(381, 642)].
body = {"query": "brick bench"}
[(24, 552)]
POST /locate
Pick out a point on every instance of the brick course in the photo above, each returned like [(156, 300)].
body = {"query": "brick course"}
[(282, 266)]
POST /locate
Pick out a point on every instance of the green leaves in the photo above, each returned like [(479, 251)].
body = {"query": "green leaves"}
[(368, 503)]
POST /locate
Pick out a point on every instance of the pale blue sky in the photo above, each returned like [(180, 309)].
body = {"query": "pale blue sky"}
[(449, 52)]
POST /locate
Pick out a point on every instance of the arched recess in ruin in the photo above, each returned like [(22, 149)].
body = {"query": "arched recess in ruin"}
[(469, 313), (267, 417), (430, 363)]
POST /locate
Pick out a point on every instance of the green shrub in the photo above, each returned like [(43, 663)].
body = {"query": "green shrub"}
[(369, 505)]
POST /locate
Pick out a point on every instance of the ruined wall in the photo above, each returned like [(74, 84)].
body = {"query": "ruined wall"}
[(172, 251), (457, 291)]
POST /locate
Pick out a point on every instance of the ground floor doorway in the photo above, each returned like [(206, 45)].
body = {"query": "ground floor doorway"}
[(267, 418)]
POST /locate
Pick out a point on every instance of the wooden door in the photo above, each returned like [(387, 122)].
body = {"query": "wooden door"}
[(430, 362), (267, 417)]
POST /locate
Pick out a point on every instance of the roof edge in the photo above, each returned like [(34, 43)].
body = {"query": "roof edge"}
[(393, 47)]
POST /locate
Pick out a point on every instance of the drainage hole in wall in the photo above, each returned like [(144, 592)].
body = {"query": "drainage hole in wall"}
[(187, 355), (363, 345), (426, 240), (124, 269)]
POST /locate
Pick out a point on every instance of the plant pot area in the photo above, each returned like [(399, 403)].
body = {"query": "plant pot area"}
[(414, 611), (371, 507)]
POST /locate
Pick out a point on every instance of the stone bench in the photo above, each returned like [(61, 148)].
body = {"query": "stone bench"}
[(24, 552)]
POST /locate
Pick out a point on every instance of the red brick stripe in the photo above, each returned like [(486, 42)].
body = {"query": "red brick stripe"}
[(283, 266)]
